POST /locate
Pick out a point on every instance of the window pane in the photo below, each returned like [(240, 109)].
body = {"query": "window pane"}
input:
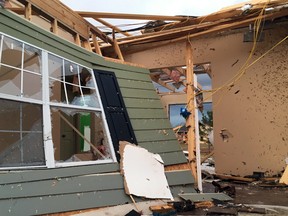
[(21, 136), (71, 71), (57, 93), (32, 59), (69, 145), (11, 52), (32, 86), (10, 81), (55, 67)]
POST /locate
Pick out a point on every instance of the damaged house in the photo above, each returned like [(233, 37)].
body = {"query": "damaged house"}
[(68, 97)]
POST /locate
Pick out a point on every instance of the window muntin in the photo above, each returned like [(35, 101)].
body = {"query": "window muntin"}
[(65, 87)]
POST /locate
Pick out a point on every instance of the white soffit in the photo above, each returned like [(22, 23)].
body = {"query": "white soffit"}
[(143, 172)]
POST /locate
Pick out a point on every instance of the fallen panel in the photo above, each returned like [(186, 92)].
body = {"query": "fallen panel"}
[(194, 197), (143, 172)]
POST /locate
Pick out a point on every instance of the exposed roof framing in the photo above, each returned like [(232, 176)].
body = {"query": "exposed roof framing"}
[(179, 28)]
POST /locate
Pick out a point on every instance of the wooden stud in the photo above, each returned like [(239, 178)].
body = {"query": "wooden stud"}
[(96, 44), (190, 121), (28, 11), (116, 29), (118, 50), (129, 16), (77, 39), (87, 45), (55, 26)]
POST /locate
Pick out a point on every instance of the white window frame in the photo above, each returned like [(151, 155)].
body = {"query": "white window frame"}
[(46, 107)]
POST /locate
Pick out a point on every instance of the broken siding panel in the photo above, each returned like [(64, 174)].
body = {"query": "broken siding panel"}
[(56, 173), (182, 177)]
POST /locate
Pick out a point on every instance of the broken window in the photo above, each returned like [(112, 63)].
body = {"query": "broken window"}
[(21, 136), (46, 100)]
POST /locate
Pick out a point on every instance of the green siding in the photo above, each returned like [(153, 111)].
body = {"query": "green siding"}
[(41, 191)]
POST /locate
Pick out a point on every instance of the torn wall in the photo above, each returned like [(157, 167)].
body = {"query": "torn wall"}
[(253, 111)]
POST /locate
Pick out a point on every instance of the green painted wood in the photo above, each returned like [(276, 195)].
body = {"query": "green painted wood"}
[(205, 197), (154, 135), (81, 184), (183, 177), (42, 174), (140, 113), (131, 75), (150, 124), (139, 93), (173, 158), (67, 185), (135, 84), (61, 203), (142, 103), (161, 146), (175, 190)]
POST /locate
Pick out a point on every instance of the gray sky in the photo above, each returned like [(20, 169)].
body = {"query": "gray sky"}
[(152, 7)]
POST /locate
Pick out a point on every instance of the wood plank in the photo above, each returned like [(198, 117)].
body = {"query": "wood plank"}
[(190, 121), (171, 158), (135, 84), (55, 173), (68, 185), (118, 50), (66, 202), (161, 146), (115, 28), (205, 197), (64, 14), (139, 93), (142, 103), (132, 75), (96, 45), (142, 113), (28, 11), (150, 124), (96, 15), (182, 177), (154, 135)]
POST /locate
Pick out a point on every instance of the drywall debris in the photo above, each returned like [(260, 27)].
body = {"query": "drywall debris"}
[(143, 172)]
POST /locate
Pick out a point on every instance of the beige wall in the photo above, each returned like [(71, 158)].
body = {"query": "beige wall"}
[(254, 111)]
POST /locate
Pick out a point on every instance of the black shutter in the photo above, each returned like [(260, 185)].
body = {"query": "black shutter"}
[(116, 114)]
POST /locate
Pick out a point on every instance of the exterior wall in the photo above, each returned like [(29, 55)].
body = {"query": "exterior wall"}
[(254, 111), (41, 191)]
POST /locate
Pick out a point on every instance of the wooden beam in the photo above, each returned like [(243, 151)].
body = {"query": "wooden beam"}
[(77, 39), (87, 45), (57, 10), (117, 50), (190, 121), (115, 28), (28, 11), (156, 79), (55, 26), (131, 16), (96, 44)]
